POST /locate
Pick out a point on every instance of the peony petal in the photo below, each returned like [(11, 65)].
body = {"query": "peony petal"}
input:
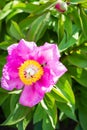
[(24, 45), (14, 62), (11, 84), (31, 95), (12, 48), (40, 59), (25, 48), (10, 79), (5, 72), (49, 52), (57, 69), (47, 79), (61, 69)]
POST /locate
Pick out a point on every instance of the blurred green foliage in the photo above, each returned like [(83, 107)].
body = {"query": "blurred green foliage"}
[(39, 21)]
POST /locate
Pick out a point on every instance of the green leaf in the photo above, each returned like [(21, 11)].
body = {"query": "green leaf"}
[(47, 124), (58, 96), (13, 13), (2, 4), (23, 123), (49, 100), (15, 31), (38, 115), (44, 8), (2, 62), (33, 8), (6, 107), (4, 14), (82, 95), (65, 45), (83, 18), (26, 23), (72, 40), (20, 125), (6, 10), (67, 109), (4, 45), (78, 1), (78, 127), (49, 106), (78, 59), (82, 106), (83, 48), (84, 5), (79, 74), (75, 15), (65, 86), (83, 116), (13, 101), (27, 119), (60, 27), (15, 91), (38, 27), (68, 26), (3, 96), (29, 7), (17, 115)]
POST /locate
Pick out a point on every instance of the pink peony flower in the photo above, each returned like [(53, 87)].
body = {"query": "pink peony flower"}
[(36, 69)]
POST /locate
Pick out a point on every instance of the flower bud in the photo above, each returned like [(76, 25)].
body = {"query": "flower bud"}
[(61, 6)]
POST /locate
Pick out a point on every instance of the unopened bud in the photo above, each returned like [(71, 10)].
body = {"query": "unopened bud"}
[(61, 6)]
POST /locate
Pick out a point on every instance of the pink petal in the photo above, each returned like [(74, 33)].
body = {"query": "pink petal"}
[(57, 68), (5, 72), (61, 69), (11, 84), (10, 79), (25, 48), (47, 79), (49, 52), (11, 48), (25, 45), (14, 62), (31, 95), (40, 59)]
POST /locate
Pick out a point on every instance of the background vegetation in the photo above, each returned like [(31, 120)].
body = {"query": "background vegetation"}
[(39, 21)]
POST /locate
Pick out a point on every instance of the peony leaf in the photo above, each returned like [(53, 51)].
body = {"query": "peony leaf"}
[(49, 107), (38, 115), (17, 115), (3, 96), (83, 17), (68, 111), (79, 74), (38, 27), (69, 43), (83, 116), (15, 31), (6, 10), (47, 124), (79, 60), (79, 1)]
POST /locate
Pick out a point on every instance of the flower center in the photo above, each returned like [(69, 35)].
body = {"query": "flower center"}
[(30, 71)]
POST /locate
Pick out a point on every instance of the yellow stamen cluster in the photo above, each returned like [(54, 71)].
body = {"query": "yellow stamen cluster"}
[(27, 77)]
